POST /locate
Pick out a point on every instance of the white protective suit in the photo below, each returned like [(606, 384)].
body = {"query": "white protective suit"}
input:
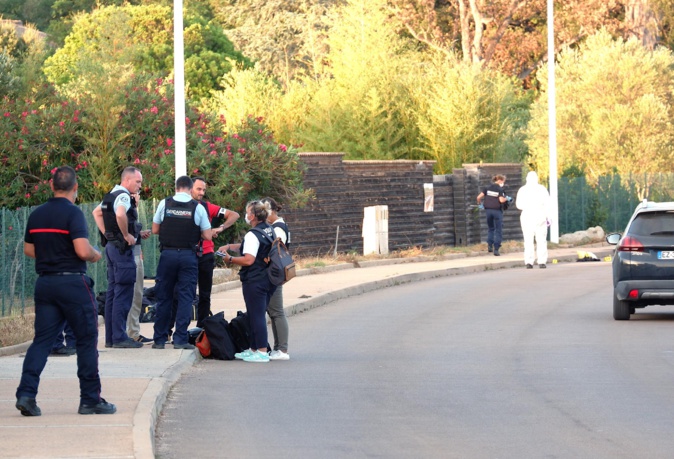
[(533, 200)]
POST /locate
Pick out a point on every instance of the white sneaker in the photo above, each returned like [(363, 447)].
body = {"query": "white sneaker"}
[(279, 355)]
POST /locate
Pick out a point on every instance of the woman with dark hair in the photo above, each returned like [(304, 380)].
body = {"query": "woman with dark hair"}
[(279, 321), (255, 284)]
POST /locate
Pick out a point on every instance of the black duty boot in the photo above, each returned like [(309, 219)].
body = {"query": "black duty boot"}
[(102, 407), (27, 406)]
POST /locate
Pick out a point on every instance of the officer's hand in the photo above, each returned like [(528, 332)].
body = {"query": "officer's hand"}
[(97, 256), (130, 239), (145, 234)]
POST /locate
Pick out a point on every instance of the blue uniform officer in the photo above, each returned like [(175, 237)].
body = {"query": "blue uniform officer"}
[(180, 222), (57, 237), (117, 219)]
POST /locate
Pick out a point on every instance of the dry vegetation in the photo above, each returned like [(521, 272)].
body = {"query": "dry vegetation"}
[(16, 329)]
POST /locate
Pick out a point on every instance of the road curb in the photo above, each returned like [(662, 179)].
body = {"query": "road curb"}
[(151, 402)]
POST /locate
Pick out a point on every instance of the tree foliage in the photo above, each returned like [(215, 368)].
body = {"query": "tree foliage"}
[(286, 39), (466, 114), (618, 121), (55, 130), (142, 37)]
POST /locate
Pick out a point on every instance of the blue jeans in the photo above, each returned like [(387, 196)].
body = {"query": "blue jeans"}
[(57, 299), (177, 269), (495, 225)]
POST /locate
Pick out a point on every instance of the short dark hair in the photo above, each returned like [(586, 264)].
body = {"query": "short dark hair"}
[(64, 178), (129, 170), (198, 177), (184, 182)]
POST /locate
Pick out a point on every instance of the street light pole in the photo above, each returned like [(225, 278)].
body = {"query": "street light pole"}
[(552, 126), (179, 82)]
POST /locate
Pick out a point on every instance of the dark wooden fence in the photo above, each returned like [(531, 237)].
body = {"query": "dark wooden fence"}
[(344, 188)]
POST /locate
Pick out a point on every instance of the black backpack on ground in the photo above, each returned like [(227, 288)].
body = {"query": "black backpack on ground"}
[(239, 329), (217, 332)]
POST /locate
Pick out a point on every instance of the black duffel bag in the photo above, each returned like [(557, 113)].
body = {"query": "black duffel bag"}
[(216, 329)]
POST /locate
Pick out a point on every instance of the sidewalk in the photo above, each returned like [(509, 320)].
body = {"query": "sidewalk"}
[(138, 380)]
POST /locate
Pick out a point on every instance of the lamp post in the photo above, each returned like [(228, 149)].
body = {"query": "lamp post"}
[(179, 82), (552, 126)]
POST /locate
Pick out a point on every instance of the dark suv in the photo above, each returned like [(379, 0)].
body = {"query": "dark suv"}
[(643, 262)]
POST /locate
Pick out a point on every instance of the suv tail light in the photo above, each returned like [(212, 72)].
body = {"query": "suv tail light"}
[(630, 244)]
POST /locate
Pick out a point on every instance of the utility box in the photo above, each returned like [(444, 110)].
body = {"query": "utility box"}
[(375, 230)]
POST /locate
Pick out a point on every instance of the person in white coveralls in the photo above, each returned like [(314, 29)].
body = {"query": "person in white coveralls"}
[(533, 200)]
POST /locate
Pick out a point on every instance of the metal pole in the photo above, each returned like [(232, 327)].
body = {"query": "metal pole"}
[(552, 119), (179, 81)]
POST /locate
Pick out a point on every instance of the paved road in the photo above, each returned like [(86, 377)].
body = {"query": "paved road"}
[(505, 364)]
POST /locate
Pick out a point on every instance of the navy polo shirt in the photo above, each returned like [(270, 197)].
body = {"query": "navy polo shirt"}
[(52, 227)]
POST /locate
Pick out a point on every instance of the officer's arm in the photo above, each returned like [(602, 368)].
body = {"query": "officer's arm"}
[(479, 197), (85, 251), (155, 228), (230, 218), (246, 260), (207, 235), (29, 249), (122, 220), (98, 218)]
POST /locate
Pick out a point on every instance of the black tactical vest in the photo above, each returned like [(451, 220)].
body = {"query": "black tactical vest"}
[(178, 229), (491, 197), (112, 231)]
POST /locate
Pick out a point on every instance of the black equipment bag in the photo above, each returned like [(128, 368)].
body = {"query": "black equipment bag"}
[(217, 331), (239, 328)]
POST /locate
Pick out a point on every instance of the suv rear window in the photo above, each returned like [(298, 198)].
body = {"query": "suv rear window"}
[(653, 224)]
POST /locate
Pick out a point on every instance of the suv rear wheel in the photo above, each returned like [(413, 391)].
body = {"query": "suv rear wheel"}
[(621, 309)]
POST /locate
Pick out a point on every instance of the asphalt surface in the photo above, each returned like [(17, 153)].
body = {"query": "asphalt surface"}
[(503, 364), (138, 380)]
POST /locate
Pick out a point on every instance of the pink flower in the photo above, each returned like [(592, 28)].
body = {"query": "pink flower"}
[(169, 142), (195, 171), (214, 153), (27, 195), (283, 148), (154, 110), (136, 161), (53, 171), (24, 114), (61, 123), (7, 114), (44, 162), (75, 119), (167, 152)]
